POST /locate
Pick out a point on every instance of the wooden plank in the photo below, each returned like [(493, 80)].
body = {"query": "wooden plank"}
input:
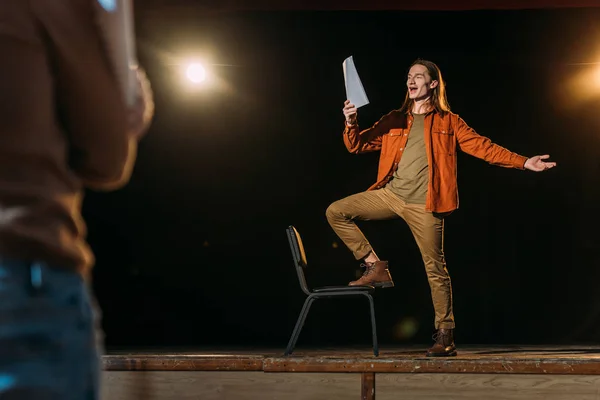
[(209, 385), (194, 385), (537, 360), (183, 363), (458, 366), (367, 384), (488, 387)]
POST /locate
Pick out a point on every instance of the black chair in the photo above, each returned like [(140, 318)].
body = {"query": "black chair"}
[(299, 256)]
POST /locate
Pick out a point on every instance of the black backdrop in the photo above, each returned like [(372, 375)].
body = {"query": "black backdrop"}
[(193, 251)]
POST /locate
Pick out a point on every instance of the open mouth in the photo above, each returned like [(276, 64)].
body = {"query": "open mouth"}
[(412, 90)]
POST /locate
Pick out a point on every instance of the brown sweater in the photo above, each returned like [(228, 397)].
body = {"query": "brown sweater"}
[(63, 127)]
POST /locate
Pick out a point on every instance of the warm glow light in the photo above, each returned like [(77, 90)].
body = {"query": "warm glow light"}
[(597, 77), (196, 73), (582, 86)]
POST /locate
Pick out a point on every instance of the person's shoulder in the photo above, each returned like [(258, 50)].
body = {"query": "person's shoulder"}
[(396, 114), (449, 116)]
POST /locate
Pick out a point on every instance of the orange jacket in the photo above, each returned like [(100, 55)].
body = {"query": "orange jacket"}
[(443, 134)]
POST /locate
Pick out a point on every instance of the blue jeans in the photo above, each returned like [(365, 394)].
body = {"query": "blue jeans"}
[(49, 345)]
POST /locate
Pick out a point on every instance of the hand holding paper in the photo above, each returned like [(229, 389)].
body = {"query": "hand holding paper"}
[(354, 88), (350, 112)]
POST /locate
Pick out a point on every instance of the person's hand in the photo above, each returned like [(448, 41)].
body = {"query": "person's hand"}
[(142, 112), (537, 164), (350, 112)]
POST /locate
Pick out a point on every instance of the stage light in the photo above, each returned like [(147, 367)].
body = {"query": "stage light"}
[(196, 73)]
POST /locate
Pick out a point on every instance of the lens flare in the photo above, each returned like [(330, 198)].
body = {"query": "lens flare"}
[(196, 73)]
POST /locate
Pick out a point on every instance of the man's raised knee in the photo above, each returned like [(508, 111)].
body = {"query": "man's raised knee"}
[(334, 211)]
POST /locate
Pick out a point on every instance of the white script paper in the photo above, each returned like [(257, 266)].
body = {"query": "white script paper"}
[(355, 92), (115, 20)]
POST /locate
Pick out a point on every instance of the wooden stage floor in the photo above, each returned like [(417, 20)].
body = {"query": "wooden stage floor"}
[(578, 360), (548, 363)]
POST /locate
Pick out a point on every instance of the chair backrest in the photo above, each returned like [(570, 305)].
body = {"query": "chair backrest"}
[(299, 256)]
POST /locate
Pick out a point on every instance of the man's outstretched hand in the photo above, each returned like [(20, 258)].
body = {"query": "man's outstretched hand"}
[(538, 164)]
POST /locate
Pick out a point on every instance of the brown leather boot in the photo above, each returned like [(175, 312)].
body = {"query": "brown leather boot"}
[(376, 275), (444, 344)]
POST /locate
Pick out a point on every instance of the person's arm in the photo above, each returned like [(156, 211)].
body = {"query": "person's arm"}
[(110, 171), (368, 140), (112, 168), (101, 130), (482, 147)]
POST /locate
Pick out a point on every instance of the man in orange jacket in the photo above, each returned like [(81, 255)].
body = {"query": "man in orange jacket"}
[(417, 182)]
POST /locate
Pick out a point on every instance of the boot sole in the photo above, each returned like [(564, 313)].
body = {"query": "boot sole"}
[(383, 285)]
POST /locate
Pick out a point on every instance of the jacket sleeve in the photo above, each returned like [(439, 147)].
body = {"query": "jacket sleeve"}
[(482, 147), (368, 140), (91, 107)]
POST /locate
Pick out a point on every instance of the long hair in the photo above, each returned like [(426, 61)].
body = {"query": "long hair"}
[(438, 100)]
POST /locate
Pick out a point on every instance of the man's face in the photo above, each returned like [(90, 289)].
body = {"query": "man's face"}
[(419, 83)]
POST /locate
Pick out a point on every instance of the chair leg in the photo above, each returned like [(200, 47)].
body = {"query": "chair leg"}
[(299, 324), (373, 326)]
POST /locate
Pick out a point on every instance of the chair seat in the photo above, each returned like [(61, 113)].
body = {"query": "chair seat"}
[(365, 288)]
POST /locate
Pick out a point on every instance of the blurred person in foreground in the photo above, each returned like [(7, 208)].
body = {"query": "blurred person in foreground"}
[(64, 127)]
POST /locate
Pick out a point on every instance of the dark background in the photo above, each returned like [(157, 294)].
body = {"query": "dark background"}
[(193, 251)]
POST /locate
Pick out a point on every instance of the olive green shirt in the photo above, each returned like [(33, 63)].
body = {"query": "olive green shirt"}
[(411, 178)]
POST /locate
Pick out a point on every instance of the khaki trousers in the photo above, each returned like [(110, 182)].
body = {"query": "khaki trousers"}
[(426, 227)]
